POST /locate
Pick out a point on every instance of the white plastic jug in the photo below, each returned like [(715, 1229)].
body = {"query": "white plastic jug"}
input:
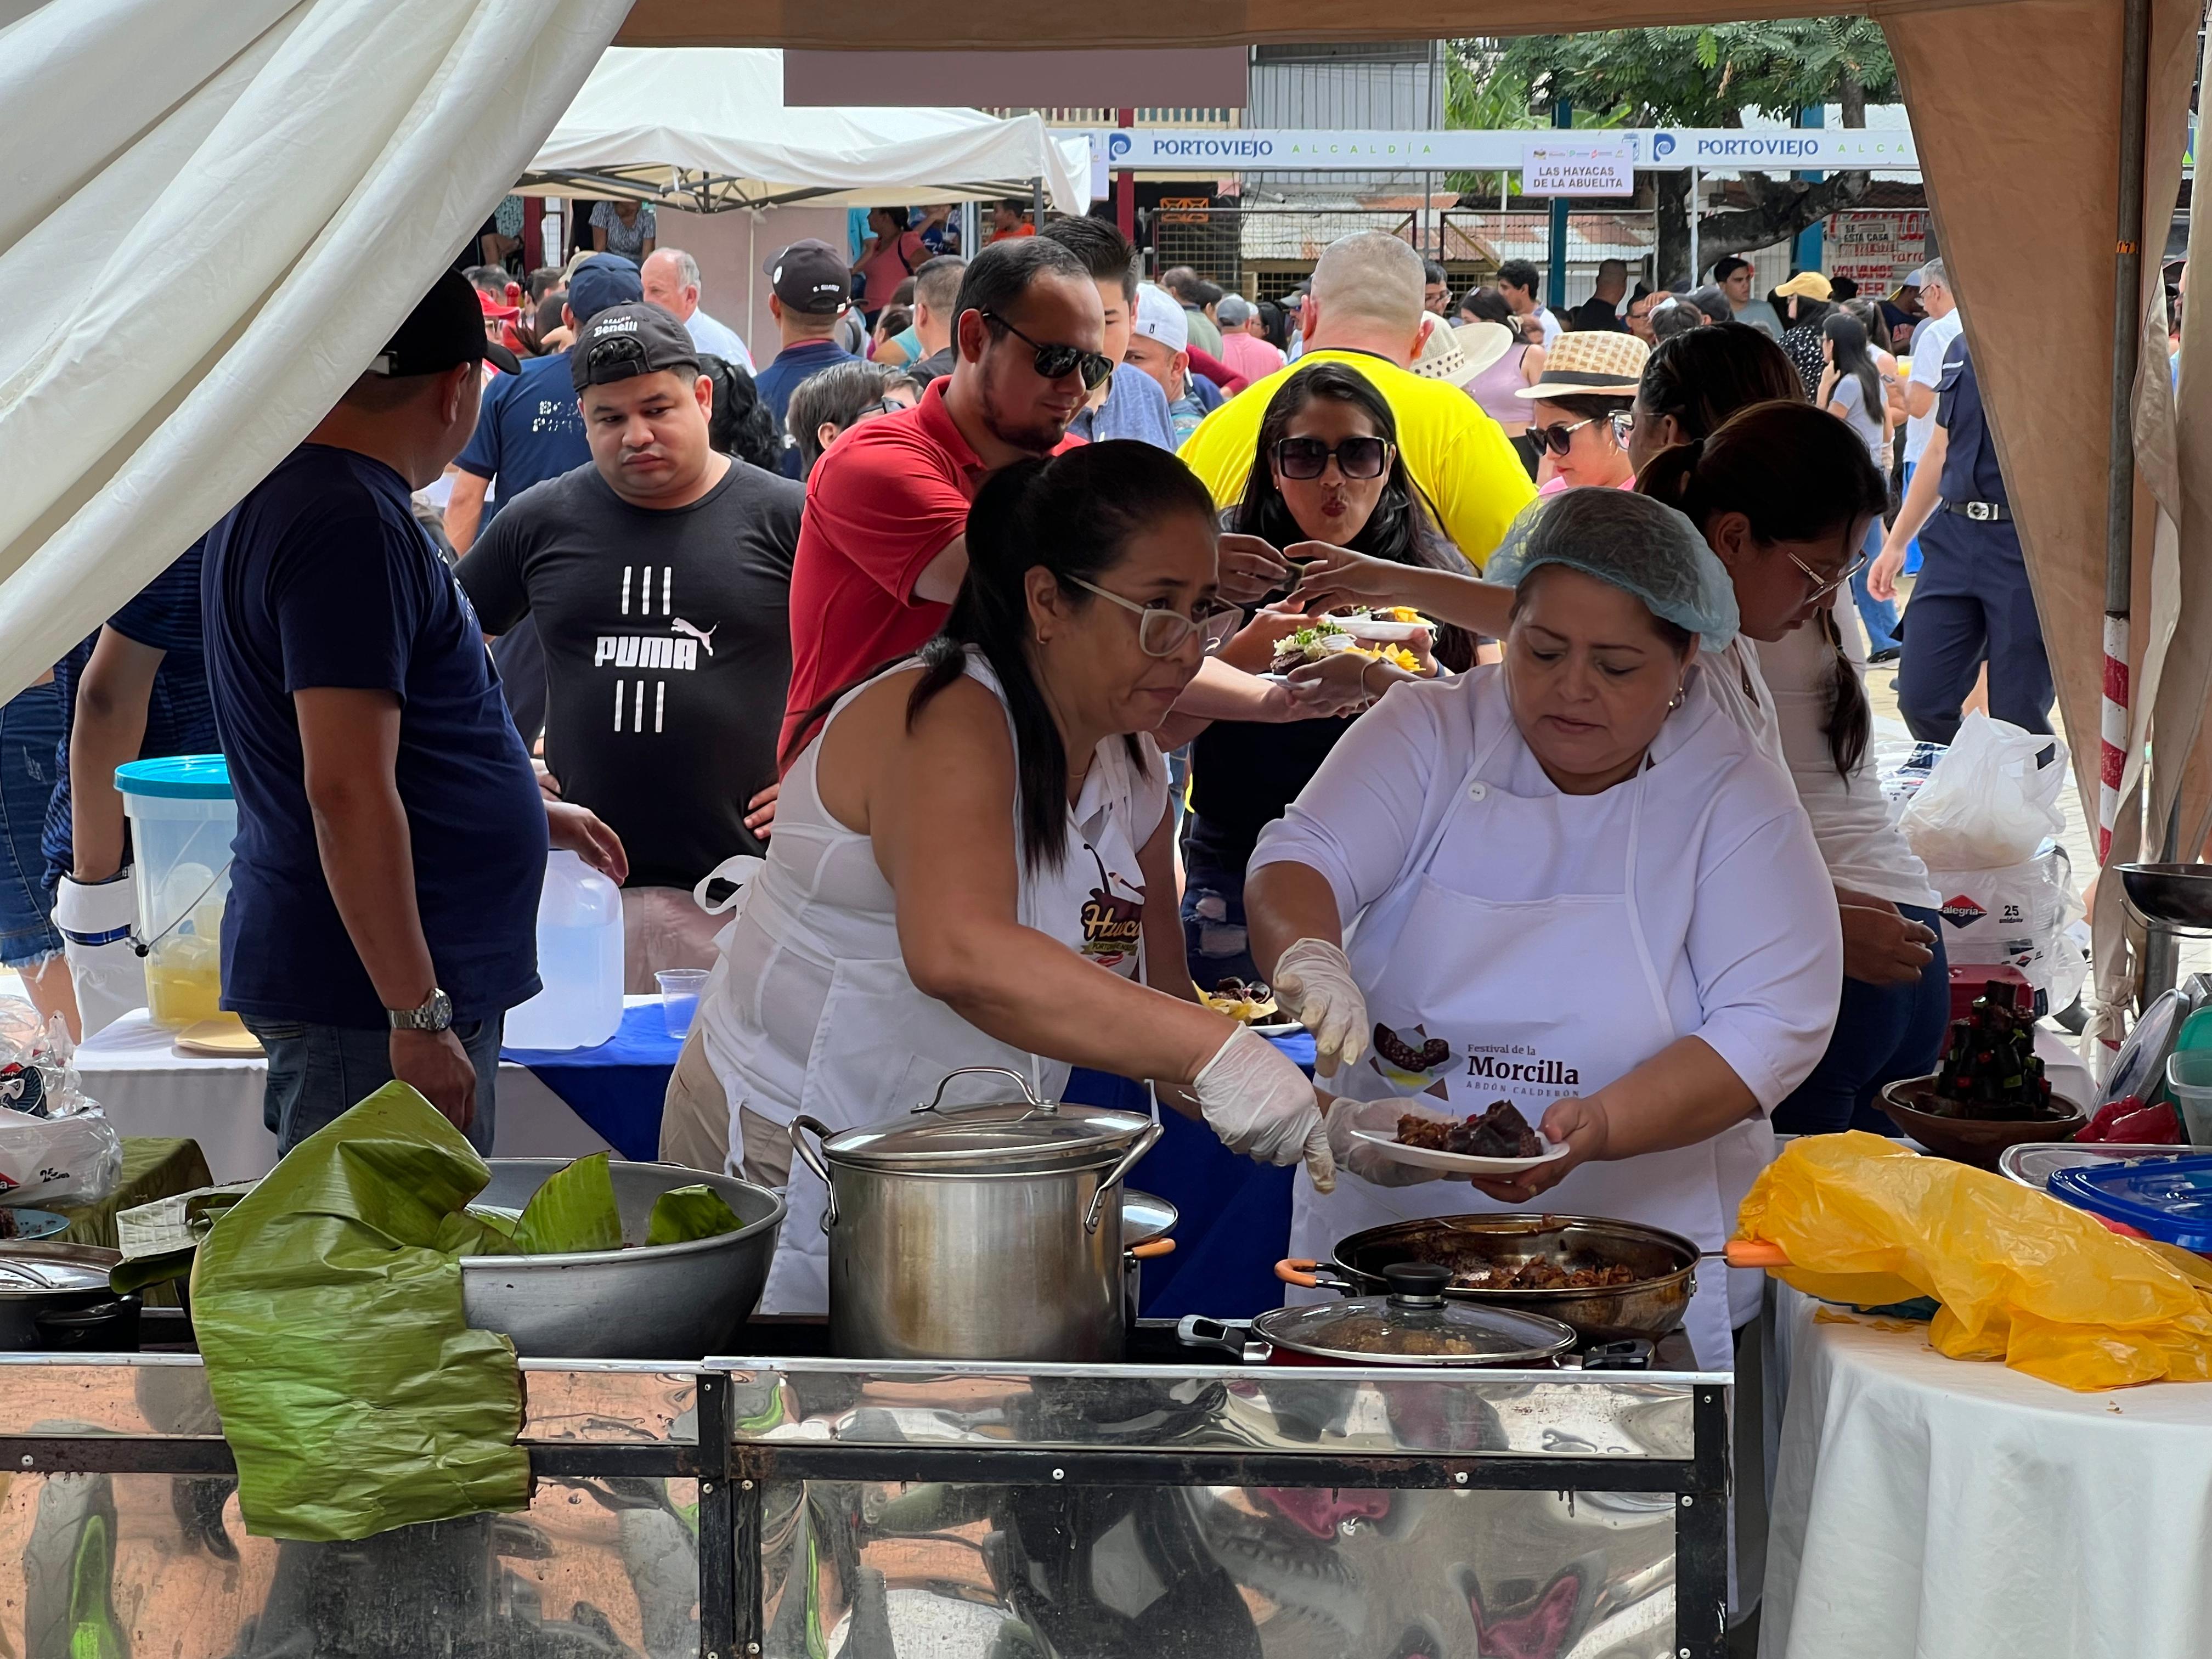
[(579, 958), (182, 820)]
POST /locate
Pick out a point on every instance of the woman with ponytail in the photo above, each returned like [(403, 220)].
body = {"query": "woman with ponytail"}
[(1785, 494), (974, 862)]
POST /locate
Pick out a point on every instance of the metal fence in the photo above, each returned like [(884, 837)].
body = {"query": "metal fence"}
[(1264, 251)]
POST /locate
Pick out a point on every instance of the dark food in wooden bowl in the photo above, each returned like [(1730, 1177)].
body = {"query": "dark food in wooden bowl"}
[(1990, 1071)]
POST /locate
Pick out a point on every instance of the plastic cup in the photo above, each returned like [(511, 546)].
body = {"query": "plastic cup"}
[(2188, 1074), (679, 997)]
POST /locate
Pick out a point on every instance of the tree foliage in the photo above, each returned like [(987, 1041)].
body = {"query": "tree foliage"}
[(1703, 76)]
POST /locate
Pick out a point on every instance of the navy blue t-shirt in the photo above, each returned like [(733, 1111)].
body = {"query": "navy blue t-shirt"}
[(1970, 454), (528, 430), (179, 720), (780, 379), (320, 578)]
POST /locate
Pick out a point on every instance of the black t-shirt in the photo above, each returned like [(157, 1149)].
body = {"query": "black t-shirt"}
[(1242, 775), (1594, 314), (935, 365), (321, 578), (668, 640)]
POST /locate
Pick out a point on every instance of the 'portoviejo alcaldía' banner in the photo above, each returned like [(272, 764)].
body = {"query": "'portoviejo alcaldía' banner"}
[(1173, 150)]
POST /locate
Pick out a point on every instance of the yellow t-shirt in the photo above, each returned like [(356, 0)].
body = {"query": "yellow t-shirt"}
[(1455, 454)]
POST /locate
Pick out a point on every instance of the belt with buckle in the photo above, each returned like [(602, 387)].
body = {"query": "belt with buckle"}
[(1980, 512)]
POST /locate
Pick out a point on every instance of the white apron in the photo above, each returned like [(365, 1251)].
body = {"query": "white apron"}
[(880, 1046), (1538, 1001)]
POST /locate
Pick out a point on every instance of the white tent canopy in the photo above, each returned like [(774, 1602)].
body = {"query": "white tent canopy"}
[(707, 128)]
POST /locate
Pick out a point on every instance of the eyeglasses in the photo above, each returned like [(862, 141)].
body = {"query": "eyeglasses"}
[(1057, 363), (1162, 633), (1824, 586), (1305, 459)]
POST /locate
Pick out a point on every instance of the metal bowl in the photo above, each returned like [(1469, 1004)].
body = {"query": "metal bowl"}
[(643, 1301), (2171, 894), (1649, 1306)]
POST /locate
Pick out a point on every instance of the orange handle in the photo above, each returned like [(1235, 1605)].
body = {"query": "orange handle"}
[(1297, 1270), (1153, 1247), (1756, 1253)]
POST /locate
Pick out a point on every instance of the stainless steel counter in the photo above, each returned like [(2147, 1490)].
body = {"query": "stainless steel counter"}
[(794, 1506)]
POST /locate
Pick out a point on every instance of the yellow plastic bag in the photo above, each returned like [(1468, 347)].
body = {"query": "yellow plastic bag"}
[(2022, 1276)]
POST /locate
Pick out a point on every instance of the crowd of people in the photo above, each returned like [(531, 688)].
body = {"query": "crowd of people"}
[(945, 650)]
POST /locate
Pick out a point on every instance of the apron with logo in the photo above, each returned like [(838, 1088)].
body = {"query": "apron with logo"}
[(1477, 1000), (880, 1046)]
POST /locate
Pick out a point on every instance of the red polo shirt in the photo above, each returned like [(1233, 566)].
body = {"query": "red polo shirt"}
[(885, 499)]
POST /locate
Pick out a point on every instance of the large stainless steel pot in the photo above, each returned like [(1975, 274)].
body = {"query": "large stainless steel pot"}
[(42, 1282), (988, 1232), (1649, 1306), (642, 1302)]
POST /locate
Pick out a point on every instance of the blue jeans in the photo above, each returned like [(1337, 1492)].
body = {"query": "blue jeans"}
[(1213, 936), (30, 743), (1879, 616), (1883, 1032), (318, 1073)]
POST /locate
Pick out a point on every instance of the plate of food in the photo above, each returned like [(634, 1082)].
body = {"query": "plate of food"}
[(1304, 646), (1390, 625), (1249, 1004), (1496, 1142)]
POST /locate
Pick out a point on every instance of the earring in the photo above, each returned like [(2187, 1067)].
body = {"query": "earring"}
[(1675, 702)]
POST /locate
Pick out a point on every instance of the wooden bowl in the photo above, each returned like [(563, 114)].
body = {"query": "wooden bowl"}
[(1979, 1141)]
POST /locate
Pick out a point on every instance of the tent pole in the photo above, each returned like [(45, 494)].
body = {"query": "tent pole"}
[(1696, 180), (1036, 202), (2160, 947)]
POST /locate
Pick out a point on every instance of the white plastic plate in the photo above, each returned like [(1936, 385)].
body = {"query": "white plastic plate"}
[(1376, 632), (1457, 1163)]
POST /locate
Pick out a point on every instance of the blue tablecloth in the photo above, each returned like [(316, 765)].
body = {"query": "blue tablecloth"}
[(618, 1087), (1235, 1214)]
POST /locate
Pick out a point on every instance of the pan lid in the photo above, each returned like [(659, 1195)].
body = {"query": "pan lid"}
[(1027, 1136), (1414, 1324)]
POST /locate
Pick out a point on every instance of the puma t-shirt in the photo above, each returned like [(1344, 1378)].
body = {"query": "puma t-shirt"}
[(668, 640)]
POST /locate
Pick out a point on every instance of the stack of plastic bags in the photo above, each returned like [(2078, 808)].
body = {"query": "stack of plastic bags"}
[(57, 1147)]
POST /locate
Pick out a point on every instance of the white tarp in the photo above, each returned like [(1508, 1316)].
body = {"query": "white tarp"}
[(211, 216), (706, 127)]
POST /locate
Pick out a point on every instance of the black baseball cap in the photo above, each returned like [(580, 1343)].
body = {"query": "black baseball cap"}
[(810, 276), (626, 341), (444, 330)]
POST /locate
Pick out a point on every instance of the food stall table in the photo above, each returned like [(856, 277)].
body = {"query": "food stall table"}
[(132, 1068), (1924, 1506)]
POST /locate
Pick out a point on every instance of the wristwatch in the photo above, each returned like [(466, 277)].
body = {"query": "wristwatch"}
[(435, 1014)]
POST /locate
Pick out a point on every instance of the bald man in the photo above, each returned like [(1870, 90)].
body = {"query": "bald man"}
[(1364, 311), (671, 279)]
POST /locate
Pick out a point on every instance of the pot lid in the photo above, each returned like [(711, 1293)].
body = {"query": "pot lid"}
[(996, 1137), (1144, 1217), (24, 1274), (1414, 1324)]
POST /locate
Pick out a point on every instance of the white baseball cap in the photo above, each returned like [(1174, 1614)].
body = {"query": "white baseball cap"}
[(1160, 317)]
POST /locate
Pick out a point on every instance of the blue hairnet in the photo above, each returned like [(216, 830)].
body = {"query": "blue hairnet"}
[(1632, 541)]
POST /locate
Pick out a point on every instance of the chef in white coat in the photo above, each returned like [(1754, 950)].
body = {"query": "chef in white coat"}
[(1568, 881), (974, 856)]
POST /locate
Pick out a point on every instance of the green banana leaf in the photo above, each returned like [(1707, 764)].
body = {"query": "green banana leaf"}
[(327, 1302), (573, 1211), (683, 1213)]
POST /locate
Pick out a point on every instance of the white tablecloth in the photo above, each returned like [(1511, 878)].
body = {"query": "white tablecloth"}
[(134, 1071), (1927, 1508)]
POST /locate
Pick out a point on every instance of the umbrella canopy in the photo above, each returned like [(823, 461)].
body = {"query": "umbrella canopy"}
[(707, 128)]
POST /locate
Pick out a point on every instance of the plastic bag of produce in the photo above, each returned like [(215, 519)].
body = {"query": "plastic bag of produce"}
[(1987, 803), (328, 1306), (2022, 1276)]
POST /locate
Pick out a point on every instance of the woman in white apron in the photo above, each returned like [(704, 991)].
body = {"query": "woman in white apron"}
[(1571, 882), (973, 857)]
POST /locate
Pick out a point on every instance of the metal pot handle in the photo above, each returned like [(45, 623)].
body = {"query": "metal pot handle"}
[(1142, 1145), (1049, 1108), (812, 1158)]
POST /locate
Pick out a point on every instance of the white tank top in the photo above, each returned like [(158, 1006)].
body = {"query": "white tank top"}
[(811, 979)]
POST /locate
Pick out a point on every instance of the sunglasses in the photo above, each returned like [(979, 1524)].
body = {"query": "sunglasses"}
[(1560, 438), (1057, 363), (1304, 459), (1162, 633)]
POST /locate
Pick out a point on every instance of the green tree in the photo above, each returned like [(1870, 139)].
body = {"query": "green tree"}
[(1692, 77)]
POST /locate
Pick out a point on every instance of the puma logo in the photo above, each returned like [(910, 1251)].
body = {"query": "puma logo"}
[(705, 639)]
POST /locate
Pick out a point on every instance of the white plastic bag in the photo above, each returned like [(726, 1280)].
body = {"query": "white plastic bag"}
[(46, 1161), (2017, 914), (1987, 803)]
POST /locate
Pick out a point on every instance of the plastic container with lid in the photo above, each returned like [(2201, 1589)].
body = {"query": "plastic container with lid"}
[(183, 820), (580, 961), (2168, 1199), (2189, 1080)]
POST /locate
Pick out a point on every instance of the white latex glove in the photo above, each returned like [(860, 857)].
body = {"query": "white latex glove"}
[(1262, 1105), (1363, 1157), (1313, 981)]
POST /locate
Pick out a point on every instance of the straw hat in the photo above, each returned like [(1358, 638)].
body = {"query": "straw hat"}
[(1589, 363), (1460, 351)]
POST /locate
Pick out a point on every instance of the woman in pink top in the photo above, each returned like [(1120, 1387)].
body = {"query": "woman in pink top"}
[(1578, 409), (1495, 387), (892, 255), (1243, 346)]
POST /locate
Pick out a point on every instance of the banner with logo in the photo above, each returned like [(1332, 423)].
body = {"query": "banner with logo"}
[(1555, 167), (1220, 150)]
